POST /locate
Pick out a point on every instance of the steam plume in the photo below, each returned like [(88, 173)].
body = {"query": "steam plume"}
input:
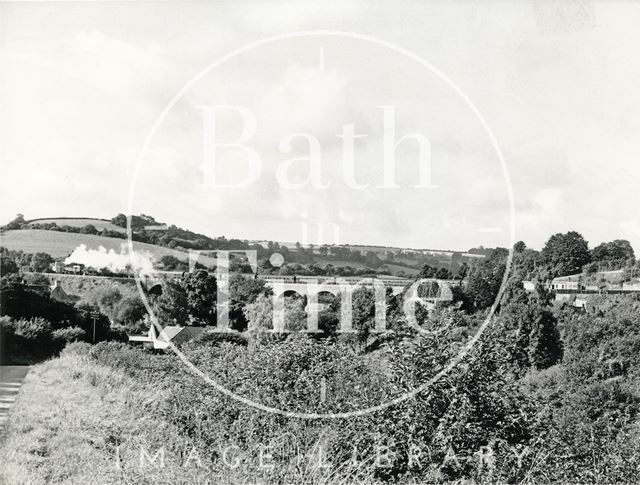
[(140, 261)]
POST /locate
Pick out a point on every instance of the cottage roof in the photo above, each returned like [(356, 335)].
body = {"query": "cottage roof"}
[(57, 293), (170, 332)]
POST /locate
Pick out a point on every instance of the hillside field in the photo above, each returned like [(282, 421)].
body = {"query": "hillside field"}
[(61, 244), (396, 267), (100, 224)]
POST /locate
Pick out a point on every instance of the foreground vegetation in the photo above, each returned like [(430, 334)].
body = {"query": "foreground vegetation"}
[(507, 414)]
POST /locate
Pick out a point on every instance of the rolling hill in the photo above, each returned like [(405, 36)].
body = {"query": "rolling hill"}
[(61, 244), (60, 236), (100, 224)]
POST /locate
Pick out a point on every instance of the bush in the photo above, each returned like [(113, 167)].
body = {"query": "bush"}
[(36, 330), (118, 334), (26, 340), (19, 302), (69, 334), (218, 338), (475, 405), (29, 340), (76, 348), (106, 299), (129, 310)]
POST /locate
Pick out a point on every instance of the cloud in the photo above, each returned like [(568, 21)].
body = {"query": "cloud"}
[(82, 86), (115, 66)]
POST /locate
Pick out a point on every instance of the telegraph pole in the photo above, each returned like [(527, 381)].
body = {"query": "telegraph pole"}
[(95, 315)]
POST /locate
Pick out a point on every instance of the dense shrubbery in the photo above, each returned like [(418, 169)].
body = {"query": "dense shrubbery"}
[(218, 338), (36, 327), (476, 405), (589, 404), (546, 420), (27, 341), (12, 261), (549, 391), (122, 305), (573, 422)]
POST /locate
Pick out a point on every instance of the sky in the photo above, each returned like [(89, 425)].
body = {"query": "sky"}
[(555, 84)]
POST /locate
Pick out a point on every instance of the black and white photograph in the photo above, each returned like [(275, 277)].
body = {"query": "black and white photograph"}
[(320, 242)]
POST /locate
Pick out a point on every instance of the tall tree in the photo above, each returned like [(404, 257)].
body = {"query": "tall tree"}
[(566, 254), (535, 340), (485, 279), (201, 292), (242, 292), (519, 246), (40, 262), (259, 314), (189, 300), (16, 223), (617, 250)]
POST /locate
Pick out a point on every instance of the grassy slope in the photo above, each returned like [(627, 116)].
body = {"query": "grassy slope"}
[(396, 267), (324, 261), (61, 244), (99, 224), (73, 414), (68, 419)]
